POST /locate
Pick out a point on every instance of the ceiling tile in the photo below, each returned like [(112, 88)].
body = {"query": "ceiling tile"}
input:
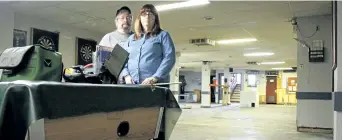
[(102, 27), (109, 12), (58, 15), (85, 6), (21, 6)]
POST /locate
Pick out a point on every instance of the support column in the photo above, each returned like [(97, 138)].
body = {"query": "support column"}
[(337, 135), (314, 92), (205, 85), (174, 77), (216, 89), (227, 75), (6, 27)]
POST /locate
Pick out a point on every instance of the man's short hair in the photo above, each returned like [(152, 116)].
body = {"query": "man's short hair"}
[(124, 8)]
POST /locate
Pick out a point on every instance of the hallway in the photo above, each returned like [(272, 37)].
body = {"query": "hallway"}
[(267, 122)]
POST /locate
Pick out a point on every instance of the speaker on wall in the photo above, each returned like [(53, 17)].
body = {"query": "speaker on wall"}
[(231, 69)]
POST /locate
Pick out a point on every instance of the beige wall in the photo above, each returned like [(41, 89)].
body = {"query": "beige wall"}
[(283, 97)]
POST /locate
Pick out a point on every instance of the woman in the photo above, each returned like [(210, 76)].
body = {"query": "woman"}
[(152, 51)]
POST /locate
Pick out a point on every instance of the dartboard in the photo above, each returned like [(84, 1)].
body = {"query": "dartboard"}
[(86, 53), (46, 42)]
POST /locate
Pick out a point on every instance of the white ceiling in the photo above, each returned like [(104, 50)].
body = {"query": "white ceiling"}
[(266, 21)]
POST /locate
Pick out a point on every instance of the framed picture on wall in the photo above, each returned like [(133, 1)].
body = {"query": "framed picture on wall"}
[(84, 51), (292, 84), (19, 38), (45, 38)]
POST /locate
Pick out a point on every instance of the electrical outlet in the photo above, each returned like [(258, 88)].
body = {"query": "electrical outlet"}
[(317, 28)]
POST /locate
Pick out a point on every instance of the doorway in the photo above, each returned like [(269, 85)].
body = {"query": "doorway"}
[(213, 97), (271, 89), (182, 86)]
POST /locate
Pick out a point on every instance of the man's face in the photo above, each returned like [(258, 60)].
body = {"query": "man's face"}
[(124, 20)]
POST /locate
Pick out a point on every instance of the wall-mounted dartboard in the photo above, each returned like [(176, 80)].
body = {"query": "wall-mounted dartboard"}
[(45, 38), (85, 49)]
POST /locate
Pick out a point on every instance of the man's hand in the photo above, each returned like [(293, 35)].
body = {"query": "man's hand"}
[(128, 80), (149, 81)]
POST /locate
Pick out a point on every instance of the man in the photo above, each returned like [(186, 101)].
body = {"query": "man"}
[(123, 21)]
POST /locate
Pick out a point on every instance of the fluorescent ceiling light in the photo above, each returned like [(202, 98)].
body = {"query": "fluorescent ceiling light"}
[(282, 68), (232, 41), (189, 3), (271, 63), (259, 54)]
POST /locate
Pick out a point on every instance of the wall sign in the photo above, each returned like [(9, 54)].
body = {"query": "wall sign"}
[(292, 84), (316, 51), (272, 73), (84, 51), (316, 54), (19, 38), (47, 39), (253, 72)]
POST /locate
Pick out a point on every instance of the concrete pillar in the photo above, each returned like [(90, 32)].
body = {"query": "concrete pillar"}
[(6, 27), (174, 77), (338, 71), (205, 84), (314, 92)]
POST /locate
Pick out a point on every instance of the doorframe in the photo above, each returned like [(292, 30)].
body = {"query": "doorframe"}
[(275, 99), (220, 75)]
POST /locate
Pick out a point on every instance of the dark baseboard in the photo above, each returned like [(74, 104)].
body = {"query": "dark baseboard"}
[(315, 130), (314, 95), (338, 101), (205, 106)]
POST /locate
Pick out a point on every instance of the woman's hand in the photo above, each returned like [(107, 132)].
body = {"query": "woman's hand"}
[(128, 80), (149, 81)]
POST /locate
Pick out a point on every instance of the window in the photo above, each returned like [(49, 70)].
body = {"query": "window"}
[(238, 78), (252, 80)]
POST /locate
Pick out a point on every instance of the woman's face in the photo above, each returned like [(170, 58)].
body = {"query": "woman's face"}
[(147, 20)]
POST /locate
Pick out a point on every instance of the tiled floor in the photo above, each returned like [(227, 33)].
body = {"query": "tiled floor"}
[(267, 122)]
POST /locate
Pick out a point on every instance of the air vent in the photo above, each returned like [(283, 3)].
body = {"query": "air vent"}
[(202, 42), (294, 69), (253, 63)]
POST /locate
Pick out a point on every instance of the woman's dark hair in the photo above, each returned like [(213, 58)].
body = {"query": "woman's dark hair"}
[(156, 29)]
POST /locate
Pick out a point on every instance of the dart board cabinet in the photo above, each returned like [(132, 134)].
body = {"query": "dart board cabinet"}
[(47, 39), (84, 51)]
